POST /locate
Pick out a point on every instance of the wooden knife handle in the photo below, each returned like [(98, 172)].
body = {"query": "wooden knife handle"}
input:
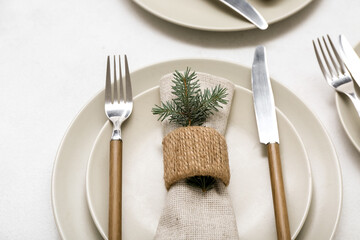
[(115, 193), (278, 192)]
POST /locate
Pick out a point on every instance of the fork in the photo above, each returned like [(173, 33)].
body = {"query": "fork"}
[(118, 107), (334, 70)]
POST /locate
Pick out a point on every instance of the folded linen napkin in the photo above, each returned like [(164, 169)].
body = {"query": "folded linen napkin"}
[(190, 213)]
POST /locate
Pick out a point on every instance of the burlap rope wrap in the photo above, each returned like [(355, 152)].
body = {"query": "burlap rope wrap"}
[(195, 151)]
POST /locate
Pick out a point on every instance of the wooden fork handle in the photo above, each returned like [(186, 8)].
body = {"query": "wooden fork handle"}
[(115, 193), (278, 192)]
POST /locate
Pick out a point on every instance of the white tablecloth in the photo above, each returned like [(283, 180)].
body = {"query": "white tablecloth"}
[(52, 61)]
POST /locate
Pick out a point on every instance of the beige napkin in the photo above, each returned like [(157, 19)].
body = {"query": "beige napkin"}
[(190, 213)]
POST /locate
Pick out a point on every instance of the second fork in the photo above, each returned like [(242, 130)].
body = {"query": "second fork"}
[(334, 70)]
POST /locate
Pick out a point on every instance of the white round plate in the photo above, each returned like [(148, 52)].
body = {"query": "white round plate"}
[(348, 115), (144, 191), (68, 181), (212, 15)]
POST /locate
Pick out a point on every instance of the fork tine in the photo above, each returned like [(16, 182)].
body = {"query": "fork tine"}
[(337, 55), (108, 82), (329, 67), (323, 70), (116, 98), (330, 54), (121, 82), (128, 82)]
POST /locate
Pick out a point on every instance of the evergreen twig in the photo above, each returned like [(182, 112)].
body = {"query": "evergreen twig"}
[(191, 107)]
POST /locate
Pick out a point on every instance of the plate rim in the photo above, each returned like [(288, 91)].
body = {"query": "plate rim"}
[(338, 109), (196, 59), (56, 162), (344, 125), (219, 29), (302, 145)]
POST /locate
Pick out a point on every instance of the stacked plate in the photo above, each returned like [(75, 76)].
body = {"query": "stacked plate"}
[(311, 170), (212, 15), (348, 116)]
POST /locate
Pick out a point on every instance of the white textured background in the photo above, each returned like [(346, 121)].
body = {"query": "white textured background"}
[(52, 61)]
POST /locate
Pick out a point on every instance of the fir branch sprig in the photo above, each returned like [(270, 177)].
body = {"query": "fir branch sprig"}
[(191, 107)]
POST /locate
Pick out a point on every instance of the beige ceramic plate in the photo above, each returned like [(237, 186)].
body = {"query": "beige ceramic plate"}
[(68, 181), (211, 15), (143, 185), (348, 116)]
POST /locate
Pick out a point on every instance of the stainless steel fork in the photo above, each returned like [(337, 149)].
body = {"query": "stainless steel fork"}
[(334, 70), (118, 107)]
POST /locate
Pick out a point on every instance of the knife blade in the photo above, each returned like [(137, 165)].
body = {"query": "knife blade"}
[(247, 11), (263, 99), (268, 133), (351, 60)]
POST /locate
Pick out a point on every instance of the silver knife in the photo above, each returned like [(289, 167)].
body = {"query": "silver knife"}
[(268, 133), (352, 61), (247, 11)]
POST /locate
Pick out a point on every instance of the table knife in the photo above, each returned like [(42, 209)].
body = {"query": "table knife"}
[(351, 60), (268, 133), (247, 11)]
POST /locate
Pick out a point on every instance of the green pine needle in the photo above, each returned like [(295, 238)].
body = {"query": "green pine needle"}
[(191, 107)]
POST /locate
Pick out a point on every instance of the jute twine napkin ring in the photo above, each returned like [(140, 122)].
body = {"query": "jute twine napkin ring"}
[(195, 151)]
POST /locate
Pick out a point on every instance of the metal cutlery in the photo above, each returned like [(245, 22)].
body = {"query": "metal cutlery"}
[(351, 60), (334, 70), (246, 10), (118, 107), (268, 133)]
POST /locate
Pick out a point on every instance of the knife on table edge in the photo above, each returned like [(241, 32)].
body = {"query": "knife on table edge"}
[(351, 60), (247, 11)]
